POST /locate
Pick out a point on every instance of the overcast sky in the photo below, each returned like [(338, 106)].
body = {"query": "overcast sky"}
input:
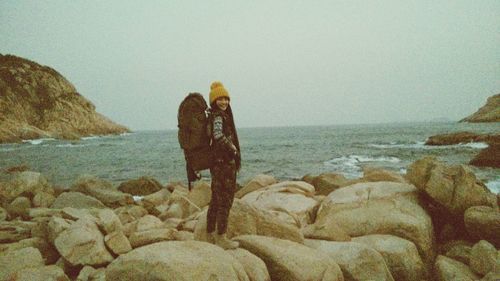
[(284, 63)]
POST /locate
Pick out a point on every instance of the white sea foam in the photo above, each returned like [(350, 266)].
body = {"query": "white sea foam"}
[(421, 145), (494, 185), (137, 198), (351, 165), (69, 145), (91, 138), (38, 141)]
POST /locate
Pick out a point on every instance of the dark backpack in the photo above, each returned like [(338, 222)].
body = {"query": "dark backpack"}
[(194, 135)]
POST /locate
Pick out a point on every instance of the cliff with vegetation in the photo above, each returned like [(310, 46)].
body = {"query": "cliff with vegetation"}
[(38, 102), (488, 113)]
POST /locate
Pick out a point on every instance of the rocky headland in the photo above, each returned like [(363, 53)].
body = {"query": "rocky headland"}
[(437, 222), (38, 102), (487, 157), (490, 112)]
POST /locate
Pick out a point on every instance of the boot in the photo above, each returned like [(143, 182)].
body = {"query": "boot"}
[(222, 241), (211, 237)]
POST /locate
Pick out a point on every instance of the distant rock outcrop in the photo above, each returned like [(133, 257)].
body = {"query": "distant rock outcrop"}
[(36, 102), (488, 113)]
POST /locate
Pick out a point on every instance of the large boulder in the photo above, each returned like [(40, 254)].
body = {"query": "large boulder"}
[(484, 258), (449, 270), (456, 188), (182, 260), (380, 208), (483, 222), (256, 183), (328, 182), (102, 190), (246, 219), (254, 267), (400, 255), (290, 200), (83, 244), (43, 273), (488, 157), (357, 261), (13, 231), (25, 184), (37, 101), (291, 261), (49, 253), (18, 260), (183, 203), (141, 186), (76, 200)]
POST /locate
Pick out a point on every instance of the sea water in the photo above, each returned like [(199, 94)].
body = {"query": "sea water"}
[(283, 152)]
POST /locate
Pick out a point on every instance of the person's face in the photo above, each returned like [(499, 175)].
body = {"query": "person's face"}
[(222, 103)]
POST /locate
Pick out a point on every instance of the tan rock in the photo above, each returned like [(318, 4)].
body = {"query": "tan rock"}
[(246, 219), (287, 260), (25, 183), (193, 260), (130, 213), (290, 201), (181, 205), (76, 214), (483, 222), (483, 257), (19, 207), (454, 187), (492, 276), (148, 222), (43, 273), (108, 221), (103, 191), (461, 137), (448, 269), (328, 182), (83, 244), (43, 199), (149, 202), (117, 242), (76, 200), (460, 252), (142, 186), (183, 236), (357, 261), (374, 174), (18, 260), (200, 195), (56, 226), (327, 229), (254, 267), (85, 273), (141, 238), (3, 214), (48, 252), (44, 212), (400, 255), (380, 208), (256, 183), (13, 231)]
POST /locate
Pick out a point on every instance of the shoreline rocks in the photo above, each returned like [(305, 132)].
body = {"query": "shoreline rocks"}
[(38, 102), (382, 226)]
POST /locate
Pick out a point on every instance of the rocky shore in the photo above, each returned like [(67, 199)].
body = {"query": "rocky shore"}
[(437, 222), (490, 112), (488, 157), (38, 102)]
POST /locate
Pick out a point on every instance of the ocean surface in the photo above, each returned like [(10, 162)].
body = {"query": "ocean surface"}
[(284, 152)]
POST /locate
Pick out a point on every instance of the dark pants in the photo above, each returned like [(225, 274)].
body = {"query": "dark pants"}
[(223, 189)]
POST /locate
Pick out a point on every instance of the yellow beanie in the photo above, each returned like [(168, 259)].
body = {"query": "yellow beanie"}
[(217, 90)]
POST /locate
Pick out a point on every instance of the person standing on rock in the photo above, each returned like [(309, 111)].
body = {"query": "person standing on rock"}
[(227, 163)]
